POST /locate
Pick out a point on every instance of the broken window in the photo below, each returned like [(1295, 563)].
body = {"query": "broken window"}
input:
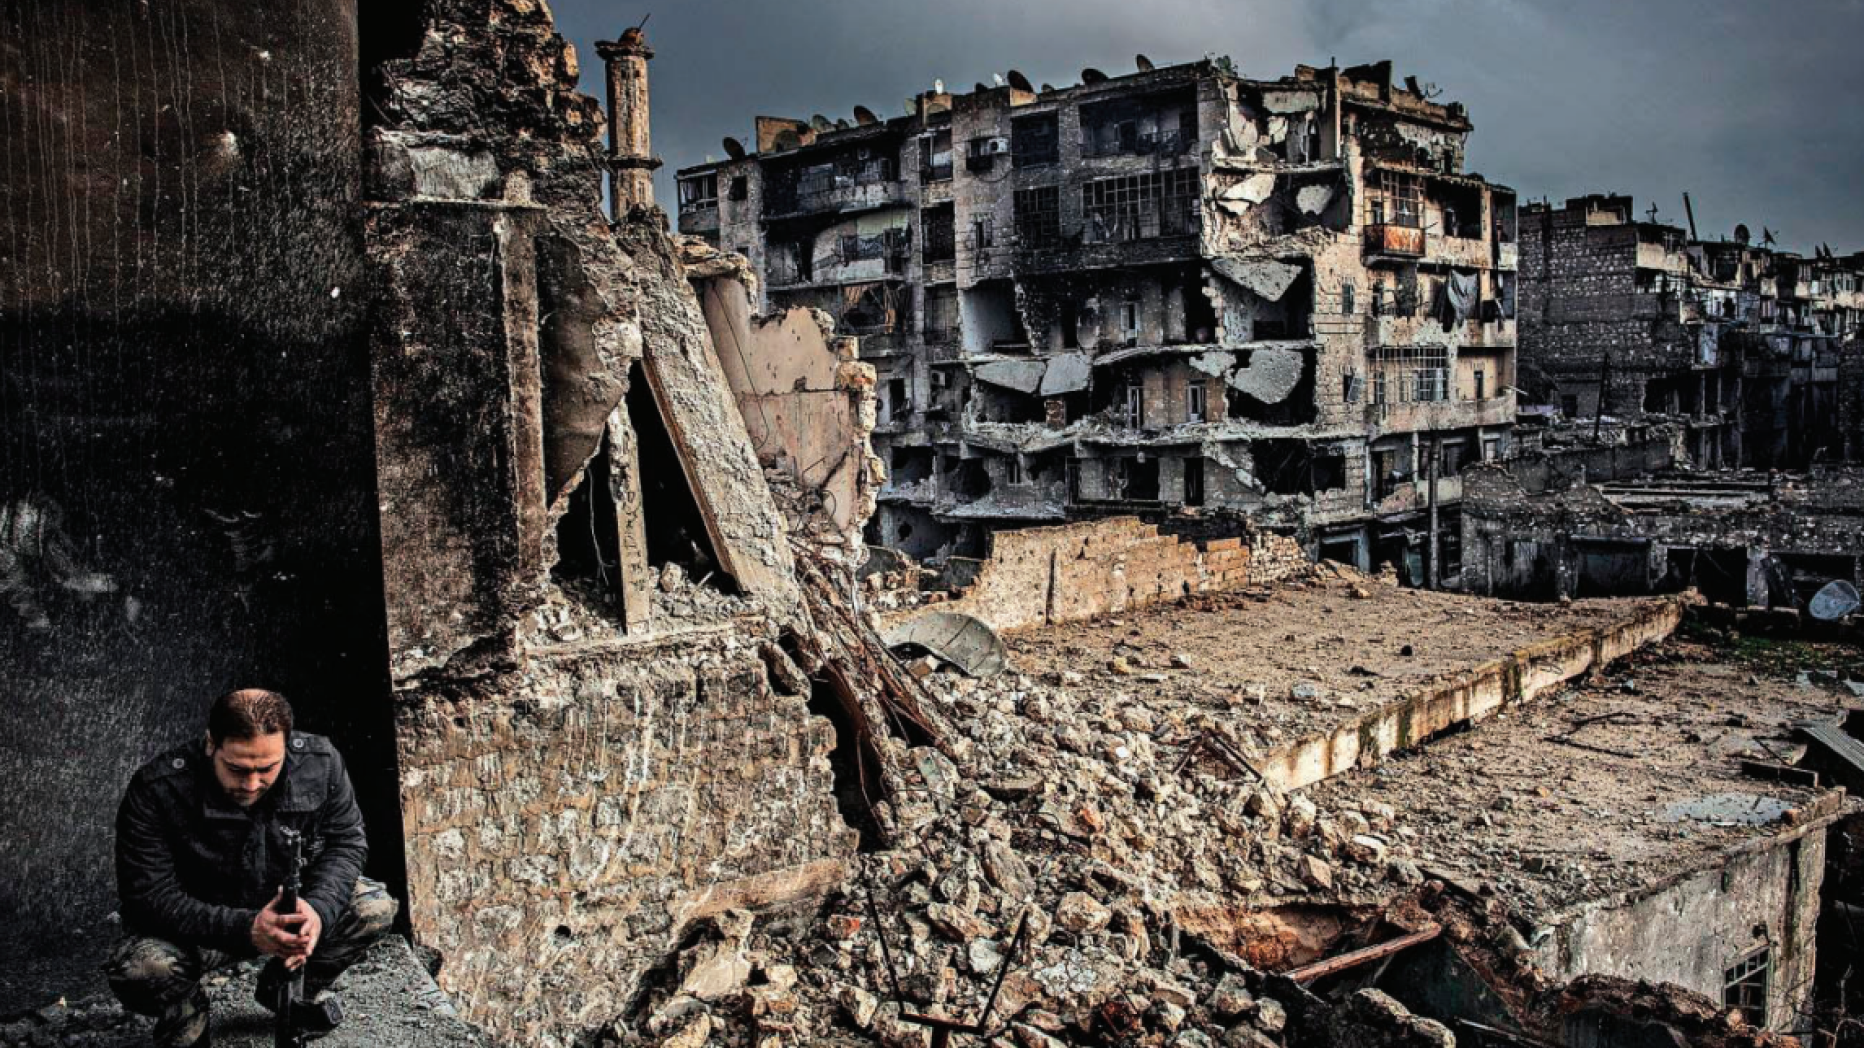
[(1194, 482), (872, 309), (983, 235), (1134, 408), (1134, 479), (941, 313), (899, 401), (1129, 322), (1348, 303), (1482, 389), (1194, 405), (699, 193), (740, 188), (935, 156), (1137, 207), (1388, 472), (1744, 985), (1400, 201), (939, 229), (1035, 140), (1450, 458), (1294, 467), (1414, 373), (1160, 125), (1038, 217)]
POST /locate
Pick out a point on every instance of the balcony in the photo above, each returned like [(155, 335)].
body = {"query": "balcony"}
[(1423, 416), (1389, 239), (874, 186)]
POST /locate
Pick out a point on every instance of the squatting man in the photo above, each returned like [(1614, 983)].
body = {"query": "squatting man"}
[(201, 854)]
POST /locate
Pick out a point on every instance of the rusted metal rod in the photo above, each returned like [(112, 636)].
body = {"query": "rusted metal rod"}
[(1355, 958)]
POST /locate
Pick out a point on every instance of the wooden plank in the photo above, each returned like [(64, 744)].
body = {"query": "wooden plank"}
[(1355, 958)]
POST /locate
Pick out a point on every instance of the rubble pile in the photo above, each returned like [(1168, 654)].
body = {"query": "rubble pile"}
[(1129, 845)]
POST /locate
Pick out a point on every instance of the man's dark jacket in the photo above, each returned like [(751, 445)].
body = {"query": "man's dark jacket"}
[(194, 867)]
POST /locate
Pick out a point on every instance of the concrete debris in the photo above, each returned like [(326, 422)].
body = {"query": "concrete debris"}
[(1067, 373), (1266, 279), (1022, 375), (1271, 374), (957, 639)]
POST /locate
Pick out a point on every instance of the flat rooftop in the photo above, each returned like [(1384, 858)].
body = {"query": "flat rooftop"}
[(1606, 788), (1309, 660)]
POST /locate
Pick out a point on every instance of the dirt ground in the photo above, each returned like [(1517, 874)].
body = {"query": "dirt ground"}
[(1298, 659), (1605, 787)]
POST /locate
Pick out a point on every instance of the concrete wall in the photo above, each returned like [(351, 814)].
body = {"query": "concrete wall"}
[(1471, 696), (1040, 576), (808, 405), (1691, 931), (184, 383)]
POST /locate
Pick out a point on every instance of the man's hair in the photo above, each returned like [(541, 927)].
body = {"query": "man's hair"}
[(248, 714)]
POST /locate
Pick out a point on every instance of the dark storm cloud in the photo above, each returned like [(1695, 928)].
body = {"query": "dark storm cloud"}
[(1753, 108)]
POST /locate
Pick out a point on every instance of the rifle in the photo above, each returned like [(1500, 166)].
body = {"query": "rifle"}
[(297, 1019)]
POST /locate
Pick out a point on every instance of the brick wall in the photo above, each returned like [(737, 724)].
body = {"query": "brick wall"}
[(1039, 576), (560, 838)]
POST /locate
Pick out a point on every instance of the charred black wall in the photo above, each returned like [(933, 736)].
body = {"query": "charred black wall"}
[(182, 375)]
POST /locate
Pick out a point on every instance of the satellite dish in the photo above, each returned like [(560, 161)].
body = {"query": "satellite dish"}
[(1144, 63), (997, 78), (1046, 87), (865, 116), (820, 123), (1836, 600), (1742, 234), (789, 139), (1093, 76), (979, 87), (734, 148), (938, 87), (842, 125), (1020, 82)]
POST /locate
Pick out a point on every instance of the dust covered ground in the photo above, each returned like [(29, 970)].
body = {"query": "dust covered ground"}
[(1300, 658), (1608, 786)]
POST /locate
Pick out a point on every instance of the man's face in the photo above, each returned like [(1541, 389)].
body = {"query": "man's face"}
[(246, 768)]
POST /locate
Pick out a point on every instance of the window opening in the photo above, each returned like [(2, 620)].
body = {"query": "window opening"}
[(1038, 216), (675, 526), (1744, 985)]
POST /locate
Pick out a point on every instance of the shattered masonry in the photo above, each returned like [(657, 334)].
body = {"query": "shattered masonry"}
[(636, 754), (1174, 288)]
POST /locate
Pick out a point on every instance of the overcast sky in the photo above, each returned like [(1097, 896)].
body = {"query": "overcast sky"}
[(1755, 108)]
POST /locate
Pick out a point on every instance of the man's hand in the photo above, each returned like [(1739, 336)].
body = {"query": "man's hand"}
[(288, 936)]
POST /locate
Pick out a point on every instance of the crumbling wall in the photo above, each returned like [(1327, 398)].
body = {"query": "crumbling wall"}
[(1040, 576), (1692, 931), (566, 832), (590, 764), (808, 403)]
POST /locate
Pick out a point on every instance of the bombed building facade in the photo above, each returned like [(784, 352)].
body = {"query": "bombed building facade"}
[(1742, 343), (1174, 288), (329, 371)]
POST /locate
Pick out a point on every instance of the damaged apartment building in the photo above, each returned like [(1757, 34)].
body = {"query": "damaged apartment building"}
[(1741, 345), (1175, 289)]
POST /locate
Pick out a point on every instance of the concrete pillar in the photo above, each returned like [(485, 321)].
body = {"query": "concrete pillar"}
[(631, 163)]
